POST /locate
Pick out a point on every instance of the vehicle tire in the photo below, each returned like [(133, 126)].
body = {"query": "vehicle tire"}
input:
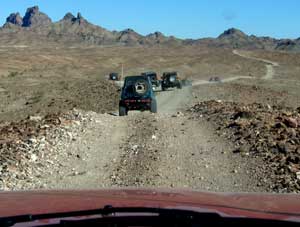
[(153, 108), (122, 111), (179, 85)]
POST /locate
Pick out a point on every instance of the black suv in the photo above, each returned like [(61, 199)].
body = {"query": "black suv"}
[(137, 94), (153, 78), (170, 79)]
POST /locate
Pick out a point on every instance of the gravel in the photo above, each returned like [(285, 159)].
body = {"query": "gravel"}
[(270, 133), (29, 147)]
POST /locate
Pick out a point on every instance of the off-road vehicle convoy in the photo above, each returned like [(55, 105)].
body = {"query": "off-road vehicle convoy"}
[(169, 80), (114, 76), (137, 94), (153, 78)]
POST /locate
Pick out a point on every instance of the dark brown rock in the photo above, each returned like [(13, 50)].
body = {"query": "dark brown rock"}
[(69, 17), (15, 19), (242, 114), (291, 122), (240, 150)]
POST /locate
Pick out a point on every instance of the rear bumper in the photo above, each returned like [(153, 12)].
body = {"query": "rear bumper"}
[(156, 84), (176, 84), (139, 104)]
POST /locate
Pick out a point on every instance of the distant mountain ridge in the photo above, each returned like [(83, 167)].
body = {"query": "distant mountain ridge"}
[(37, 27)]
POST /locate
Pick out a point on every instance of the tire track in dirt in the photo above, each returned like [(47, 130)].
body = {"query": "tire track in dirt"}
[(171, 149), (192, 156), (138, 160)]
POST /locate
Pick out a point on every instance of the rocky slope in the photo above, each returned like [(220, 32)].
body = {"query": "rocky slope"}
[(36, 26)]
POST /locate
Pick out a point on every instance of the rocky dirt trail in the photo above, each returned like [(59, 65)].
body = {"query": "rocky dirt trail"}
[(173, 151), (169, 149)]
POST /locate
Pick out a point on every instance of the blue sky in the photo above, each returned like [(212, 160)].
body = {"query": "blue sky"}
[(182, 18)]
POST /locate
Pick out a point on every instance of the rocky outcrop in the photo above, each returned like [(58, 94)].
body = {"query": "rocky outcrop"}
[(34, 18), (156, 37), (288, 45), (77, 29), (69, 17), (233, 33), (15, 19), (129, 37)]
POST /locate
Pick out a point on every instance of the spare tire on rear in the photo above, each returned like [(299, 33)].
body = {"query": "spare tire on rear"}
[(141, 87)]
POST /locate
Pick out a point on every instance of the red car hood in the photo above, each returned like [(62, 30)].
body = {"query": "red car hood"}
[(266, 206)]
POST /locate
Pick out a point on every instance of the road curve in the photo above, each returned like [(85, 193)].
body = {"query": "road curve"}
[(270, 72), (230, 79)]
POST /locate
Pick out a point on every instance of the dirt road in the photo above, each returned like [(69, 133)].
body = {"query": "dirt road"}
[(270, 72), (168, 149), (230, 79)]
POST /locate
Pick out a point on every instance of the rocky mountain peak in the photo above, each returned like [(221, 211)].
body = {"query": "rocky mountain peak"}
[(128, 31), (33, 10), (232, 32), (79, 16), (156, 35), (78, 19), (15, 19), (69, 17), (34, 17)]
